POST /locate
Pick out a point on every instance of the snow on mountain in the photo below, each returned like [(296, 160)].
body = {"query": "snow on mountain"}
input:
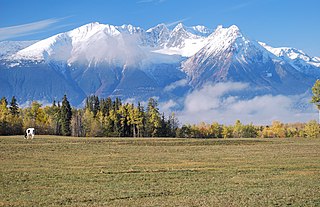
[(200, 30), (182, 41), (224, 45), (129, 29), (294, 54), (230, 56), (91, 43), (94, 43), (233, 41), (178, 36), (57, 46), (297, 58), (8, 48), (157, 36), (130, 62)]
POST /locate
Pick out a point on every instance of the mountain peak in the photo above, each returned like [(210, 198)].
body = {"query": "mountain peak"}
[(200, 30), (224, 37), (179, 27), (129, 29), (233, 30), (225, 46), (89, 26), (296, 56), (129, 62), (158, 27)]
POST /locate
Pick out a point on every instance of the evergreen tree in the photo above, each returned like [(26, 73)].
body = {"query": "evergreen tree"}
[(117, 103), (56, 118), (14, 109), (93, 104), (66, 115), (103, 107), (184, 131), (140, 119), (164, 128)]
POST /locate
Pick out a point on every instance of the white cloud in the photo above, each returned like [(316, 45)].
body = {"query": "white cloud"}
[(166, 107), (208, 97), (174, 85), (26, 29), (210, 104), (121, 50)]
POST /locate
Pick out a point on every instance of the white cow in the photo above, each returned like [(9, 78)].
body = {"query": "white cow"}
[(29, 133)]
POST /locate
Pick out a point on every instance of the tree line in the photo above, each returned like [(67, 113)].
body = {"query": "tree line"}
[(99, 117), (239, 130), (111, 118)]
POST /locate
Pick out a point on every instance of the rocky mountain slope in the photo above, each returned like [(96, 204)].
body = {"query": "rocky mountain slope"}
[(130, 62)]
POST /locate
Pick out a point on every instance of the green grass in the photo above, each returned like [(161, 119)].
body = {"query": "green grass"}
[(60, 171)]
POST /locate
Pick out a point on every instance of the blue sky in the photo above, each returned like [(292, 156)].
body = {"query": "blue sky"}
[(293, 23)]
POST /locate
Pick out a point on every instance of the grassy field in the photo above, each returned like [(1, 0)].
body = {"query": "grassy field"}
[(60, 171)]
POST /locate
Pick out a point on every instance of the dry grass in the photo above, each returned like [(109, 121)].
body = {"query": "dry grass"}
[(64, 171)]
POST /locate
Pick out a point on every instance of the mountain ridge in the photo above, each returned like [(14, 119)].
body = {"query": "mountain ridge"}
[(131, 62)]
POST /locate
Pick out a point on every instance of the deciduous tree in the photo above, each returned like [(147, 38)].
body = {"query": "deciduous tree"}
[(316, 95), (312, 129)]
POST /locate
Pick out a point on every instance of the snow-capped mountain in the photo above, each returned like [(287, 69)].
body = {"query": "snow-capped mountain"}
[(200, 30), (8, 48), (184, 41), (230, 56), (131, 62), (297, 58), (158, 36), (225, 46), (113, 44), (89, 43)]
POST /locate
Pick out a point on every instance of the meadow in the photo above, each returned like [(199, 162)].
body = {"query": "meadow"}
[(65, 171)]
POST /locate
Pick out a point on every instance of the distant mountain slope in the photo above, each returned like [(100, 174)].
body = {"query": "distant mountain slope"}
[(8, 48), (297, 58), (130, 62), (230, 56)]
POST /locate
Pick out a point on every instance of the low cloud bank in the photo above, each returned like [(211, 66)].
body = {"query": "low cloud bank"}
[(212, 103)]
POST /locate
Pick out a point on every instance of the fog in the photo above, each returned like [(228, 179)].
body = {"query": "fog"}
[(116, 50), (120, 50), (211, 103)]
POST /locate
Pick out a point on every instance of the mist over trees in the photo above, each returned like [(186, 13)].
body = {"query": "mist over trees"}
[(104, 117)]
